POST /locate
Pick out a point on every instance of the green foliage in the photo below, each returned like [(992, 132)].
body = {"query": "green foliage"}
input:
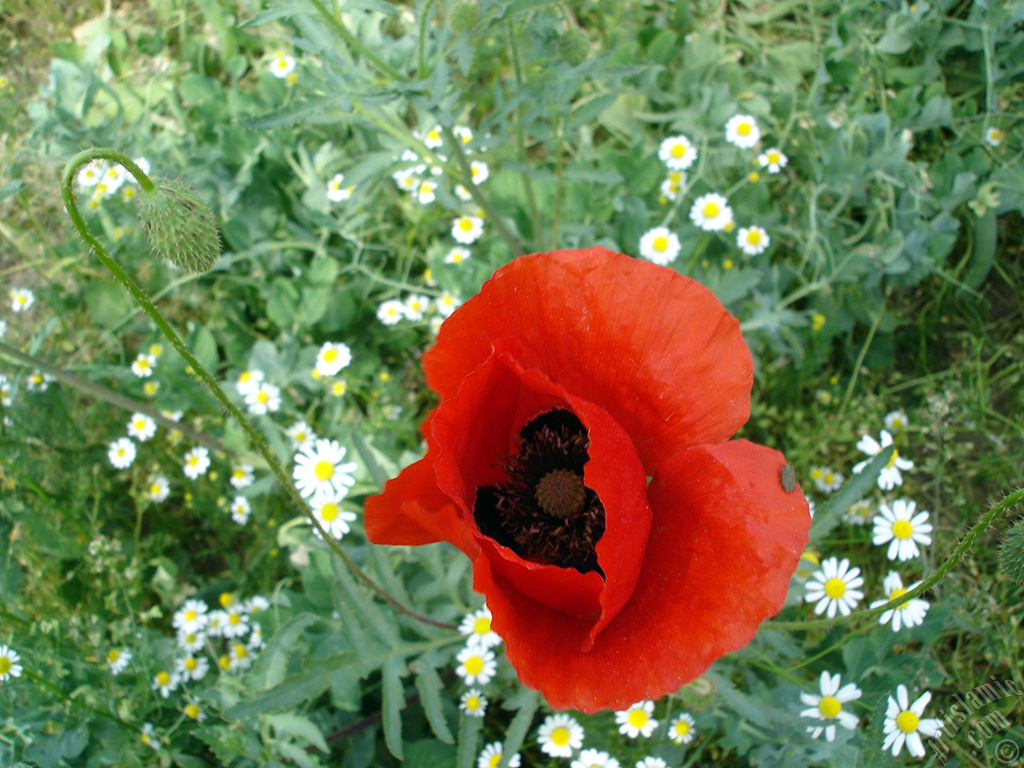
[(892, 280)]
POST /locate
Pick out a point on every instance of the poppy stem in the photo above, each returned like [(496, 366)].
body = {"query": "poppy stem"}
[(254, 435), (1008, 502)]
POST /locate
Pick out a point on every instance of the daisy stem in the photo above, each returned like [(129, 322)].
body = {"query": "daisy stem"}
[(959, 552), (255, 437)]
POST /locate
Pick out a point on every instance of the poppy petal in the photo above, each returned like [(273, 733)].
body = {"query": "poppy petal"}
[(656, 349), (725, 539)]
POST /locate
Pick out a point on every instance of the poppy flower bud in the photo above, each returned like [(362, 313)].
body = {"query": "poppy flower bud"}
[(574, 46), (463, 16), (179, 225), (1011, 554)]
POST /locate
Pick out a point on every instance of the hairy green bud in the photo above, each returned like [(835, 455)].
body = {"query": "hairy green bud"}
[(574, 46), (179, 225), (1011, 554), (463, 16), (697, 695)]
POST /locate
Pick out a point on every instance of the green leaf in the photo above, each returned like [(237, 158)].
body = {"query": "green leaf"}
[(429, 685), (313, 680), (519, 726), (394, 703), (469, 741), (298, 727), (984, 252), (871, 754), (307, 111), (853, 490), (273, 661), (428, 753)]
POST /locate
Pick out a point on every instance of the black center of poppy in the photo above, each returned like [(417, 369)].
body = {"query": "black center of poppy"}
[(541, 510)]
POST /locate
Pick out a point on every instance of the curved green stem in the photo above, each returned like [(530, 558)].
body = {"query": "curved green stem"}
[(1009, 502), (356, 44), (255, 437)]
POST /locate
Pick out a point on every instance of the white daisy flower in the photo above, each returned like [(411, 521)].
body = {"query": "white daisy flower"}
[(118, 660), (476, 627), (742, 131), (391, 311), (681, 729), (301, 434), (858, 513), (143, 365), (332, 517), (491, 756), (282, 65), (89, 175), (446, 303), (659, 245), (9, 666), (826, 479), (236, 622), (595, 758), (3, 328), (193, 711), (910, 614), (711, 212), (462, 193), (159, 489), (899, 527), (165, 683), (476, 665), (333, 357), (6, 398), (677, 152), (559, 735), (467, 229), (241, 476), (248, 381), (255, 638), (828, 707), (197, 461), (473, 703), (426, 192), (240, 657), (215, 626), (193, 642), (434, 138), (464, 133), (257, 603), (891, 474), (141, 427), (336, 192), (192, 668), (651, 762), (265, 398), (753, 240), (191, 617), (406, 179), (121, 453), (479, 171), (149, 737), (637, 720), (319, 472), (240, 510), (904, 724), (896, 421), (112, 179), (37, 381), (773, 160), (994, 136), (416, 306), (457, 255), (835, 587), (672, 186)]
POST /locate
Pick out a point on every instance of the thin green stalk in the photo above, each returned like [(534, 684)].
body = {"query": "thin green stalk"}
[(531, 199), (356, 44), (421, 63), (860, 359), (114, 398), (959, 553), (255, 437)]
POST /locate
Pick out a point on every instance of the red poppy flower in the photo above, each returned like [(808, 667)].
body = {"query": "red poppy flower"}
[(580, 456)]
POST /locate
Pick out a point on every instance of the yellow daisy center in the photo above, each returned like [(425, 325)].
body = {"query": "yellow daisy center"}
[(241, 651), (902, 529), (192, 711), (773, 158), (892, 459), (482, 626), (907, 721), (835, 588), (829, 706), (638, 718), (711, 210), (226, 599), (234, 619), (191, 664), (899, 592), (434, 135), (473, 703), (474, 665), (682, 728), (323, 470), (743, 129), (560, 736), (113, 656), (678, 151), (495, 759), (329, 512), (193, 461), (224, 662), (753, 237), (5, 665), (163, 679), (660, 243), (330, 355), (465, 225), (190, 615), (263, 396)]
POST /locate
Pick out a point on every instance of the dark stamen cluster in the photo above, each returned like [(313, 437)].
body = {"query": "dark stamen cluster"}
[(542, 511)]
